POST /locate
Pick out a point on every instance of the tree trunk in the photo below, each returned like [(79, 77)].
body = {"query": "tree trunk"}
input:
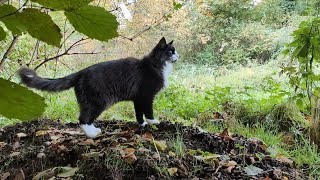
[(315, 126)]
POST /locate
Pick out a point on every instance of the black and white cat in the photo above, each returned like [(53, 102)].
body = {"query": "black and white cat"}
[(101, 85)]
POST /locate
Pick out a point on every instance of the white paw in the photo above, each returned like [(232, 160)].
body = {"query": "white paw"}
[(90, 130), (152, 121), (143, 124)]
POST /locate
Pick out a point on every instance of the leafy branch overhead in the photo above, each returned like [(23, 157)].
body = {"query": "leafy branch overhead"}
[(94, 22)]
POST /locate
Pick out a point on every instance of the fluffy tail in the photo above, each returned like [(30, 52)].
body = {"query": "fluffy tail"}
[(31, 79)]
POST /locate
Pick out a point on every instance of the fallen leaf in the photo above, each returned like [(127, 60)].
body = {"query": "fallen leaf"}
[(226, 135), (54, 138), (88, 142), (277, 173), (16, 145), (21, 135), (131, 158), (94, 155), (2, 144), (284, 178), (172, 171), (68, 172), (226, 163), (46, 174), (253, 170), (172, 154), (225, 132), (62, 148), (41, 155), (128, 151), (41, 133), (15, 154), (161, 145), (73, 132), (156, 156), (266, 178), (147, 136), (285, 160), (230, 168), (5, 176), (143, 150), (20, 175)]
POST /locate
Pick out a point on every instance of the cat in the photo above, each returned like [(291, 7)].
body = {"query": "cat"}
[(101, 85)]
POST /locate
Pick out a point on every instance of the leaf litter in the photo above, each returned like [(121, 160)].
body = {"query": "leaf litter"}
[(51, 150)]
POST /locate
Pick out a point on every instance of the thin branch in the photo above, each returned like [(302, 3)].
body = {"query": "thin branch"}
[(65, 53), (117, 8), (9, 50), (155, 24)]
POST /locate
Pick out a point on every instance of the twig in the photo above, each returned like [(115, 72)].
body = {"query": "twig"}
[(117, 8), (34, 52), (155, 146), (155, 24), (9, 50), (66, 52), (63, 54)]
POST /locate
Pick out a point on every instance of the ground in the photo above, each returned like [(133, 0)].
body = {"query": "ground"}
[(47, 149)]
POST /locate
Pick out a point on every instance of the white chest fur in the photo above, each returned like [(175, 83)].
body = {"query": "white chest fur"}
[(167, 69)]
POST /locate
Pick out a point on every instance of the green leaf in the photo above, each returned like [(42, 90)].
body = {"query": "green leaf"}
[(68, 172), (177, 6), (63, 4), (10, 17), (40, 26), (253, 170), (2, 34), (94, 22), (18, 102)]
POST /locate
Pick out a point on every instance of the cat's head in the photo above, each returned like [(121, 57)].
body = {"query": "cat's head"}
[(165, 52)]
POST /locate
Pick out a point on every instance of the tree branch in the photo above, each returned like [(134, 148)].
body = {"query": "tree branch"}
[(154, 24), (9, 50), (65, 53)]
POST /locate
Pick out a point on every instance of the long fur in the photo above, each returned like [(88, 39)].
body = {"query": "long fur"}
[(101, 85)]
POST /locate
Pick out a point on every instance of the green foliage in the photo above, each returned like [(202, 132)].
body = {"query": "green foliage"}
[(95, 22), (40, 25), (11, 18), (177, 6), (287, 117), (19, 102), (63, 5), (305, 57), (2, 34)]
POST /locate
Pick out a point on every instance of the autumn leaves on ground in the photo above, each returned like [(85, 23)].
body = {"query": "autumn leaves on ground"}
[(47, 149)]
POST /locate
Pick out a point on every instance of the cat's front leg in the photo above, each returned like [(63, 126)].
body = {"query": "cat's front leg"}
[(138, 107), (148, 112)]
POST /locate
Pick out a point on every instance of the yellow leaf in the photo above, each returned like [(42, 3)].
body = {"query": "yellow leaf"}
[(41, 133), (172, 171), (20, 135), (161, 145)]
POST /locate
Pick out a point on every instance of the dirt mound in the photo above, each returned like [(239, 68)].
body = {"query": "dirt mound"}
[(48, 149)]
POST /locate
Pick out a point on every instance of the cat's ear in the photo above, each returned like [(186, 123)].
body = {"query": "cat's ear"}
[(162, 43), (171, 42)]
